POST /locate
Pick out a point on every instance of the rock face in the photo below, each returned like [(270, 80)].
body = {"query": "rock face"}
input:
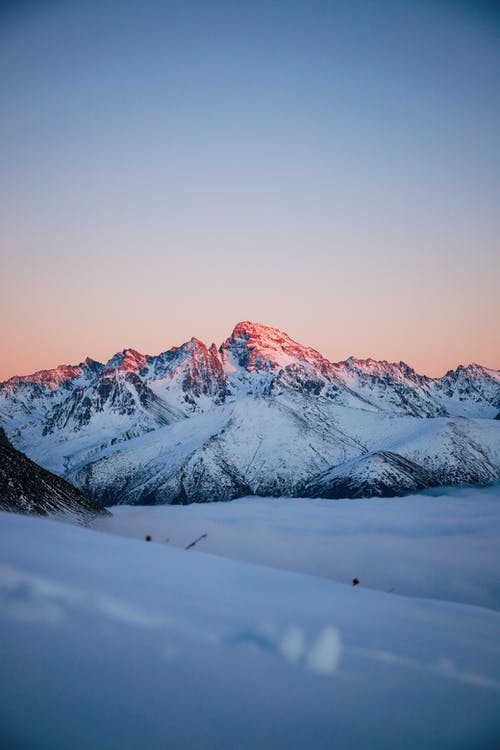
[(27, 488), (261, 414)]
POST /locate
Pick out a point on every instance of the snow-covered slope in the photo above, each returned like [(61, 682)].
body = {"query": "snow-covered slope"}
[(115, 643), (261, 414), (443, 543)]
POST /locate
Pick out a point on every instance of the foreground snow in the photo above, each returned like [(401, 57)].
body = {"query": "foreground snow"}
[(443, 544), (109, 642)]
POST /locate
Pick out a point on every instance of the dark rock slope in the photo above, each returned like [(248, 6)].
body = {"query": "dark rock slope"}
[(27, 488)]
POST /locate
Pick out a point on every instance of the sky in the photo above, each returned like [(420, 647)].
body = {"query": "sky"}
[(168, 169)]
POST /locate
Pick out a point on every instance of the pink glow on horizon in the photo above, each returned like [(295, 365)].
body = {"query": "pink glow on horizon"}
[(133, 360)]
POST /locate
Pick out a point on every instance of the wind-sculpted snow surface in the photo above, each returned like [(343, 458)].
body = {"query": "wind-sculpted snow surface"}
[(262, 415), (115, 643)]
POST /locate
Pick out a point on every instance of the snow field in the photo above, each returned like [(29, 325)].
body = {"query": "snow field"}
[(113, 642)]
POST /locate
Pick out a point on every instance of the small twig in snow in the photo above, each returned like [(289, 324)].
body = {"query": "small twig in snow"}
[(196, 541)]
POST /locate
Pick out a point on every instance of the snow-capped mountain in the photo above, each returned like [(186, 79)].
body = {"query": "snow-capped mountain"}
[(261, 414)]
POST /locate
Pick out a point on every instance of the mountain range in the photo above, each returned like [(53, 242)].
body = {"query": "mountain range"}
[(259, 415)]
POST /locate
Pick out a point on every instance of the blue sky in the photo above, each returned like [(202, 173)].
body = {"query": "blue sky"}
[(330, 168)]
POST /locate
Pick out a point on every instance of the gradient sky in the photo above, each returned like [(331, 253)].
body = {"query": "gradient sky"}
[(329, 168)]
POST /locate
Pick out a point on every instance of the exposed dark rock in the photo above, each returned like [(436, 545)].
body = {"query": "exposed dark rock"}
[(26, 487)]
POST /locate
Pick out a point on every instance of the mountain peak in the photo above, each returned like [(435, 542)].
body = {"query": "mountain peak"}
[(132, 360), (249, 329), (258, 346), (128, 360), (197, 343), (188, 347)]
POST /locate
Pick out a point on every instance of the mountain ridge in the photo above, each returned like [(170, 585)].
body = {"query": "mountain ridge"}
[(64, 371)]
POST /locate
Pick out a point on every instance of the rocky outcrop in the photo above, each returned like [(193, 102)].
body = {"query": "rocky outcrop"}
[(26, 487)]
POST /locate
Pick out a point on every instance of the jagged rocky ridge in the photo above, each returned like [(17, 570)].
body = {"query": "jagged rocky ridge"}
[(26, 487), (261, 414)]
